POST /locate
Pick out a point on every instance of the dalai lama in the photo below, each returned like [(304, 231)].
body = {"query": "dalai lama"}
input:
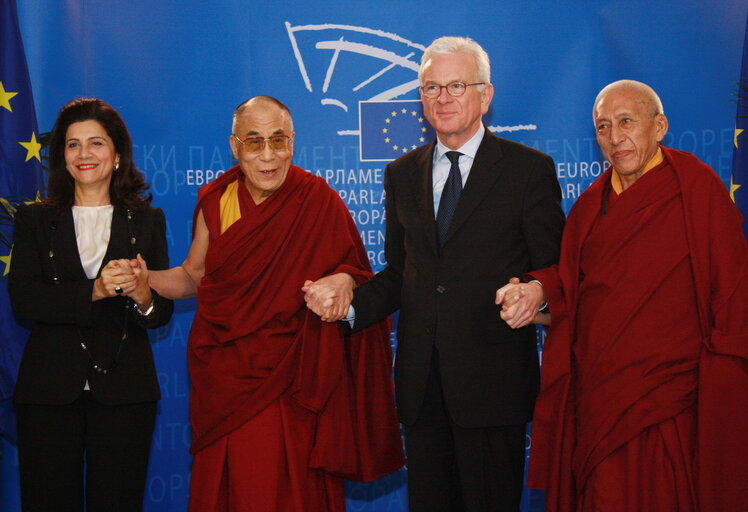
[(282, 405)]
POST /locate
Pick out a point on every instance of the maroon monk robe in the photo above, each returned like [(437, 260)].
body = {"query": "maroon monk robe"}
[(644, 393), (253, 339)]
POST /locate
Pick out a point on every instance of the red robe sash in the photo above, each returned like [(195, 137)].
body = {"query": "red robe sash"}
[(253, 338), (641, 361)]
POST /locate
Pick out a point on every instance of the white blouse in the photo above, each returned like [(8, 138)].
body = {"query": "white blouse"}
[(93, 226)]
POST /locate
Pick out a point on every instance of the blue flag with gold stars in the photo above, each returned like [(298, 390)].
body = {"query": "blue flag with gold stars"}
[(21, 180), (739, 181), (389, 129)]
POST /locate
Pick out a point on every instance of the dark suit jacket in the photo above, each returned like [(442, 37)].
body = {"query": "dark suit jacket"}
[(54, 367), (508, 221)]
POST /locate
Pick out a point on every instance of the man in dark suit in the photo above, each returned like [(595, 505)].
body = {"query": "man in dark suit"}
[(459, 225)]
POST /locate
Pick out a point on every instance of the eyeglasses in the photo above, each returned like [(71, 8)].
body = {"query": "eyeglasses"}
[(454, 89), (257, 144)]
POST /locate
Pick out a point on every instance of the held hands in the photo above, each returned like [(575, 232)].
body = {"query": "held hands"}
[(124, 277), (116, 276), (329, 297), (520, 303)]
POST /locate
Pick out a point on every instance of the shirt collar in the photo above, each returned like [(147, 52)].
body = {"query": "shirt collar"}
[(470, 148)]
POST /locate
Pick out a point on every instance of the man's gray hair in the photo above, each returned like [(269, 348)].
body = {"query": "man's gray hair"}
[(447, 45), (259, 99), (647, 94)]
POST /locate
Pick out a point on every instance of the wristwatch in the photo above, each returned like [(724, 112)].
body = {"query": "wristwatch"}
[(147, 311)]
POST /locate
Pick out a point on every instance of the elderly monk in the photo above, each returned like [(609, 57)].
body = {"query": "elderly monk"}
[(644, 396), (282, 405)]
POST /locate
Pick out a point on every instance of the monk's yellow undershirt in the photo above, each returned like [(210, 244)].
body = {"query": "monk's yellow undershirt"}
[(615, 180), (230, 211)]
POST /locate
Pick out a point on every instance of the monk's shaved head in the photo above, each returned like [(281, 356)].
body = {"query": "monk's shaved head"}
[(262, 102), (643, 92), (629, 125)]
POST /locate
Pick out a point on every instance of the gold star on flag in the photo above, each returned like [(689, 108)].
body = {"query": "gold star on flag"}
[(387, 140), (387, 120), (37, 199), (384, 130), (32, 148), (413, 113), (733, 188), (394, 113), (6, 260), (404, 111), (738, 131), (5, 97), (394, 147)]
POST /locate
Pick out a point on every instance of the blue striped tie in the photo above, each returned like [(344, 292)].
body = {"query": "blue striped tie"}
[(450, 196)]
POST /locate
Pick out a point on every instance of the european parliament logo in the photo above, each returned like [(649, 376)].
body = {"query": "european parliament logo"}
[(389, 129), (344, 65)]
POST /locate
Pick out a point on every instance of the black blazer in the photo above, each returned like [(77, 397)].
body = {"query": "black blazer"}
[(54, 367), (508, 221)]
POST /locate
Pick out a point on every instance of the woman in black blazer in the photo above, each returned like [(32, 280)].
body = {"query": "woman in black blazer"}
[(87, 388)]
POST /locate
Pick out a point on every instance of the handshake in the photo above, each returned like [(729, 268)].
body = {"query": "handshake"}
[(127, 278), (521, 302), (330, 297)]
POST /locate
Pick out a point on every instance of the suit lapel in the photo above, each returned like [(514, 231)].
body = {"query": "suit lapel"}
[(63, 242), (118, 238), (423, 187), (484, 172)]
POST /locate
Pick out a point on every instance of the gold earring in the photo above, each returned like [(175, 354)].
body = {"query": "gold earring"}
[(116, 166)]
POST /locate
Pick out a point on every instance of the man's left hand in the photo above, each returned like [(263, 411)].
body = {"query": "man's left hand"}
[(520, 302), (330, 296)]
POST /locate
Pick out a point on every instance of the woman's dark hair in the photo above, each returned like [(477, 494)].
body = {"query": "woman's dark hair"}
[(128, 186)]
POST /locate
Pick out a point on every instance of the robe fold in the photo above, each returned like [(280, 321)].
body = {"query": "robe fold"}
[(644, 385), (253, 342)]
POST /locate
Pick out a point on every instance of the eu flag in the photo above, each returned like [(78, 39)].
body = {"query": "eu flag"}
[(389, 129), (21, 180), (739, 181)]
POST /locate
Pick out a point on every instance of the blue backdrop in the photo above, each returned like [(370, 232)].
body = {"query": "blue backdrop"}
[(176, 70)]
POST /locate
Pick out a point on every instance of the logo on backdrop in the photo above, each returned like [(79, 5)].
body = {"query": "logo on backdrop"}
[(389, 129), (372, 73)]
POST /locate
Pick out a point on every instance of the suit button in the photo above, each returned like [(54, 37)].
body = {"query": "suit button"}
[(440, 289)]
